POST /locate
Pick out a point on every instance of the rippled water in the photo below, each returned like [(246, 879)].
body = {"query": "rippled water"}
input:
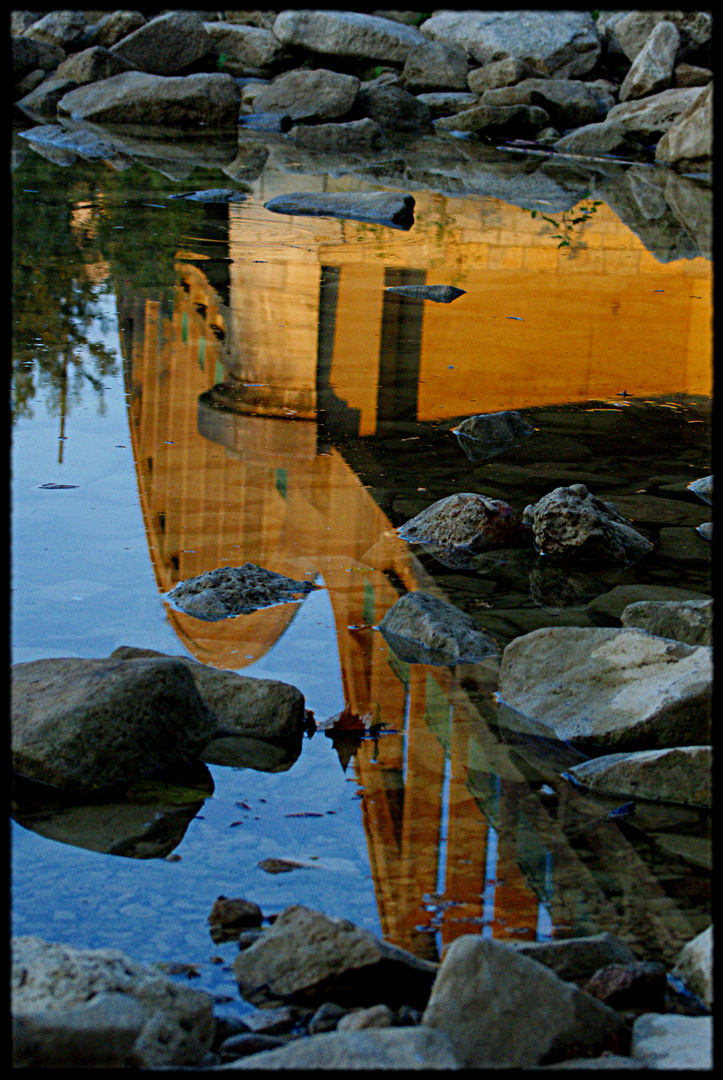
[(198, 386)]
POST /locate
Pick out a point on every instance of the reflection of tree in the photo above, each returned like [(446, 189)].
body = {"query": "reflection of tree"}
[(579, 215)]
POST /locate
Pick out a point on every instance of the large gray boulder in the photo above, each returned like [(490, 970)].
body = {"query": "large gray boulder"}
[(92, 725), (650, 117), (405, 1048), (349, 137), (307, 958), (309, 95), (99, 1008), (91, 65), (436, 65), (690, 621), (42, 102), (687, 145), (347, 33), (501, 1009), (576, 959), (681, 775), (570, 522), (392, 107), (423, 629), (154, 100), (29, 55), (622, 689), (568, 102), (496, 120), (167, 44), (561, 43), (652, 69), (259, 708), (244, 47)]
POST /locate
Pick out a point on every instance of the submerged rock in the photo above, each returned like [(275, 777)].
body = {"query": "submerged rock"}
[(465, 521), (703, 488), (213, 195), (236, 590), (489, 434), (386, 208), (623, 689), (571, 522), (441, 294), (423, 629)]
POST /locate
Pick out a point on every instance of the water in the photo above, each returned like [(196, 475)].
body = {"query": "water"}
[(218, 385)]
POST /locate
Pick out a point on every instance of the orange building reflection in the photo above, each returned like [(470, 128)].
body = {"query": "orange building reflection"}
[(234, 411)]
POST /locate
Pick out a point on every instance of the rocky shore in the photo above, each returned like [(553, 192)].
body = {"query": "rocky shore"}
[(636, 699)]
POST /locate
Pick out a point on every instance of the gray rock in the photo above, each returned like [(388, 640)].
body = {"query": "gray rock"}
[(377, 1016), (326, 1017), (29, 55), (309, 95), (632, 29), (213, 195), (441, 294), (167, 44), (407, 1048), (568, 102), (621, 689), (91, 65), (652, 69), (694, 966), (392, 107), (447, 102), (464, 520), (347, 33), (691, 75), (498, 73), (115, 25), (613, 603), (681, 775), (673, 1041), (561, 43), (84, 143), (486, 435), (575, 959), (501, 1009), (174, 1024), (649, 118), (306, 958), (690, 621), (63, 28), (236, 590), (686, 545), (351, 137), (436, 65), (245, 47), (603, 138), (42, 103), (261, 708), (387, 208), (688, 143), (570, 522), (138, 98), (100, 1033), (495, 119), (91, 725), (446, 634), (706, 530), (703, 488)]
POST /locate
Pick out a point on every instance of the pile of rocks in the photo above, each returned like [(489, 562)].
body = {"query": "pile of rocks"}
[(331, 995), (632, 83)]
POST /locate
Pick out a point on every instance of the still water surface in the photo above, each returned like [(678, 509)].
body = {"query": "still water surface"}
[(220, 385)]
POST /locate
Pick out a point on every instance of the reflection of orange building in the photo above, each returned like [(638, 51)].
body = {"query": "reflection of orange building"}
[(233, 415)]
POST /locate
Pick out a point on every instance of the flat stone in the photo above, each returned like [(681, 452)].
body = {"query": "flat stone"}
[(376, 206), (679, 775), (673, 1041), (347, 33), (236, 590), (441, 294), (571, 522), (464, 520)]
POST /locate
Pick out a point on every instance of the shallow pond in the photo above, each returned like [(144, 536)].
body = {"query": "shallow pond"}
[(196, 386)]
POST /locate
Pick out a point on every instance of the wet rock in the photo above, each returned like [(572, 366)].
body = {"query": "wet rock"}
[(249, 1042), (241, 705), (633, 29), (488, 434), (394, 210), (115, 25), (621, 689), (576, 959), (281, 866), (306, 958), (679, 775), (650, 117), (326, 1017), (29, 56), (410, 1048), (501, 1009), (613, 603), (235, 914), (377, 1016), (466, 521), (446, 634), (447, 102), (567, 102), (561, 43), (92, 725), (167, 44), (213, 195), (570, 522), (673, 1042), (688, 143), (607, 137), (100, 1000), (138, 98), (393, 108), (236, 590), (706, 530), (347, 33), (42, 103), (495, 120), (703, 488), (351, 137), (247, 752), (637, 985), (64, 28), (694, 966), (441, 294), (91, 65), (652, 69), (309, 95), (243, 47), (690, 621), (436, 65), (273, 123), (498, 73)]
